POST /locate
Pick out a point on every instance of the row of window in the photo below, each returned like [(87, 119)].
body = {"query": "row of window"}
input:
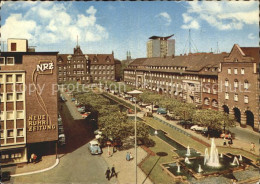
[(12, 156), (7, 61), (242, 71), (10, 115), (11, 97), (9, 78), (214, 102), (12, 133), (246, 83), (101, 72), (246, 99)]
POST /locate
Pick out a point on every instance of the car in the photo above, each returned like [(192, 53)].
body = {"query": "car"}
[(94, 147), (5, 176), (81, 109), (198, 128), (161, 110), (59, 122), (60, 130), (73, 99), (154, 108), (62, 140), (185, 124), (85, 115), (63, 99)]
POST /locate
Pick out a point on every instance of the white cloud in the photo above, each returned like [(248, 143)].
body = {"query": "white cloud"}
[(192, 25), (54, 23), (166, 17), (222, 15), (251, 36), (91, 10), (16, 27)]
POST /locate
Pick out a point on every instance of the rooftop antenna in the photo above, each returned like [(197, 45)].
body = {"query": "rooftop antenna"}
[(218, 51), (189, 42), (77, 41)]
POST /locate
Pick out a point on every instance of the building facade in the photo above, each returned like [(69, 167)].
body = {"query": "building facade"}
[(224, 82), (239, 82), (160, 46), (190, 78), (28, 96), (87, 68)]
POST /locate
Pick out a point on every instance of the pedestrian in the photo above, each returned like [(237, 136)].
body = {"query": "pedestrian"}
[(224, 142), (127, 156), (108, 173), (34, 158), (131, 156), (253, 147), (113, 171)]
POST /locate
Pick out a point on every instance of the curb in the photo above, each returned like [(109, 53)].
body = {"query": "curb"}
[(39, 171)]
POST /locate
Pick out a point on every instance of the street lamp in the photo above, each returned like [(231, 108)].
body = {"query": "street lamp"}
[(135, 93)]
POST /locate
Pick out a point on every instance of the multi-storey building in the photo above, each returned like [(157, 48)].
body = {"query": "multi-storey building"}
[(225, 82), (238, 82), (189, 78), (160, 46), (86, 68), (28, 120)]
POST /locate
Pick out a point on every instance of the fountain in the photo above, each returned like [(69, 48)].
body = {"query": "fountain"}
[(200, 170), (155, 132), (206, 156), (188, 151), (187, 160), (213, 160), (240, 158), (235, 161), (221, 155), (179, 168)]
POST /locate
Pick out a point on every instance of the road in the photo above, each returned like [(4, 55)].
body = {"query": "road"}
[(246, 135), (77, 165)]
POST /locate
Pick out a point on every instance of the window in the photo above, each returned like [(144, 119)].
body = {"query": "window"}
[(246, 84), (236, 83), (204, 80), (1, 98), (226, 83), (242, 71), (226, 96), (235, 71), (19, 96), (206, 101), (208, 80), (9, 78), (9, 97), (2, 60), (1, 79), (214, 91), (13, 46), (20, 132), (246, 99), (229, 71), (19, 78), (208, 90), (1, 134), (10, 133), (236, 97), (10, 61), (19, 115), (214, 103)]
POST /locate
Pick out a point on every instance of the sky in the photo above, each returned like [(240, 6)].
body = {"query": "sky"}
[(103, 27)]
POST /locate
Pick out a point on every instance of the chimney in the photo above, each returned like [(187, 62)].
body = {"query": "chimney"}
[(173, 56)]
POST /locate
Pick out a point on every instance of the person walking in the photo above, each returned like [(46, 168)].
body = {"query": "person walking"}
[(130, 156), (127, 156), (253, 147), (113, 171), (224, 142), (108, 173)]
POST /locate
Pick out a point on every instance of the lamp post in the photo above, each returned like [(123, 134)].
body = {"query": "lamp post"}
[(135, 93)]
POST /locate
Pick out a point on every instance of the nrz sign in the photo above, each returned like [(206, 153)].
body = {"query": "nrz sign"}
[(45, 67)]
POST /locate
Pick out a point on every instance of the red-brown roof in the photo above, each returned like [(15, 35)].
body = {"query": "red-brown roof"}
[(252, 52)]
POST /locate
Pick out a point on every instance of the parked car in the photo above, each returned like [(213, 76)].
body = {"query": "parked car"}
[(59, 122), (5, 176), (85, 115), (161, 110), (94, 147), (154, 108), (63, 99), (198, 128), (60, 130), (73, 99), (81, 109), (62, 140), (186, 124)]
